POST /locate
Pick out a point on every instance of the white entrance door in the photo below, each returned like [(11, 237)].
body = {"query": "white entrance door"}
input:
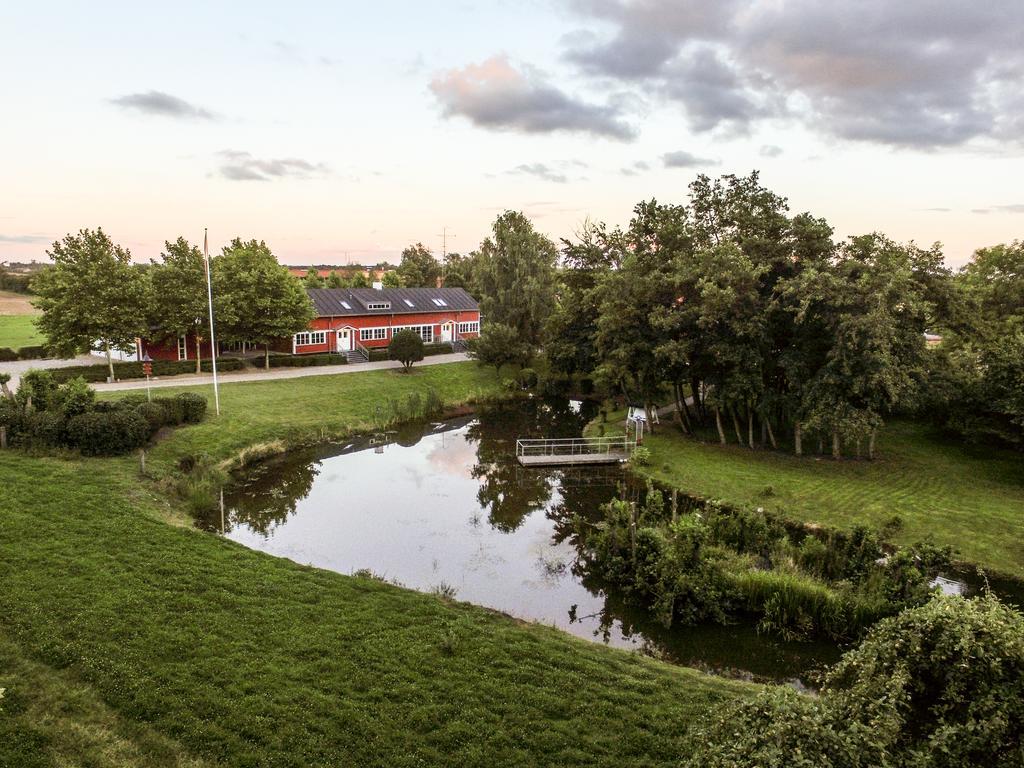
[(446, 332), (345, 340)]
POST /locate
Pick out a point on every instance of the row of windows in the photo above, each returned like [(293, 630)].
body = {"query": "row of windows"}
[(473, 327), (310, 337), (372, 334), (426, 332)]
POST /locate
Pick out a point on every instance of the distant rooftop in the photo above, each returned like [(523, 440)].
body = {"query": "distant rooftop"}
[(340, 302)]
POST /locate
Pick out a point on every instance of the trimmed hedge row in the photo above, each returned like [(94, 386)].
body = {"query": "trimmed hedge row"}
[(304, 361), (384, 353), (34, 352), (108, 428), (99, 372)]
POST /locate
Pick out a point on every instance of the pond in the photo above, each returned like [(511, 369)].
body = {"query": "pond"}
[(445, 506)]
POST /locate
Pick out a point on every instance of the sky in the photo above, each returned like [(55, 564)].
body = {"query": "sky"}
[(344, 131)]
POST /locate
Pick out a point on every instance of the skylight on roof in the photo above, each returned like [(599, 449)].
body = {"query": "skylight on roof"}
[(346, 305), (409, 302), (440, 302)]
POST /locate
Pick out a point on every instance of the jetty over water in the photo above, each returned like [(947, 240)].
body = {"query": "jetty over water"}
[(573, 451)]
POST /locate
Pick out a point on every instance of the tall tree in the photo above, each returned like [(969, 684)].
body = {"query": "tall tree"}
[(179, 305), (92, 294), (419, 268), (515, 276), (256, 299), (312, 278)]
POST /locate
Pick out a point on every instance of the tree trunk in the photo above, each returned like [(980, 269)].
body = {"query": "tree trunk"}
[(871, 445), (821, 445), (718, 423), (771, 434), (736, 425), (698, 400), (681, 419), (750, 427), (836, 451), (110, 359), (764, 430), (199, 355), (798, 445), (266, 356)]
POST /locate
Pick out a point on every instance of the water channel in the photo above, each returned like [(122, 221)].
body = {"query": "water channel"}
[(445, 505)]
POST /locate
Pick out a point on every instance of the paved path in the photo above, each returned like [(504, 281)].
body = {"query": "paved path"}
[(273, 374), (17, 367)]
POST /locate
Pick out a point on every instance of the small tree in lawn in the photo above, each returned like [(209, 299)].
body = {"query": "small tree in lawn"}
[(92, 293), (407, 348), (255, 298), (179, 293), (499, 345)]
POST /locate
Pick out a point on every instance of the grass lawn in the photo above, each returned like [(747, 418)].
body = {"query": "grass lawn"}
[(17, 331), (127, 641), (969, 497)]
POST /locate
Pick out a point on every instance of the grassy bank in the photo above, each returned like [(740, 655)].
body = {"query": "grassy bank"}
[(17, 331), (128, 641), (965, 496)]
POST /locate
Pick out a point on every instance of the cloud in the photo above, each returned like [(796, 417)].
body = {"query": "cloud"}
[(916, 73), (770, 150), (24, 239), (242, 166), (938, 210), (541, 171), (1012, 208), (497, 96), (162, 104), (635, 168), (683, 159)]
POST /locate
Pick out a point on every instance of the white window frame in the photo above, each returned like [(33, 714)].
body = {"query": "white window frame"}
[(472, 326), (309, 339), (379, 333), (379, 305), (426, 332), (182, 348)]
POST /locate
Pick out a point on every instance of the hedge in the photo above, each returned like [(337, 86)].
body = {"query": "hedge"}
[(445, 348), (303, 361), (99, 372), (36, 352), (7, 355)]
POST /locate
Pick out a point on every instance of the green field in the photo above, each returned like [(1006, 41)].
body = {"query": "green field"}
[(18, 331), (969, 497), (128, 641)]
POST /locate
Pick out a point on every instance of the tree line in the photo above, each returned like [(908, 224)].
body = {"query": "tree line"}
[(758, 324)]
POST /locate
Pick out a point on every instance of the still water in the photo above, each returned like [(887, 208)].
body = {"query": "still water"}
[(446, 505)]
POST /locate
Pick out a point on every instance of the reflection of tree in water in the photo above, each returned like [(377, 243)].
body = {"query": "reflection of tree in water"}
[(507, 500), (270, 499)]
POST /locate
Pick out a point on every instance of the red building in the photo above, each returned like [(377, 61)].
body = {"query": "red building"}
[(351, 320)]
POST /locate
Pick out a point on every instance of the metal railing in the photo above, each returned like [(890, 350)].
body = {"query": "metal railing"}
[(362, 352), (575, 446)]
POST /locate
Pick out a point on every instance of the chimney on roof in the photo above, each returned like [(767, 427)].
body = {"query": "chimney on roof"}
[(378, 286)]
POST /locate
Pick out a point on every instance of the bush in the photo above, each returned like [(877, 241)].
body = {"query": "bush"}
[(41, 429), (193, 407), (527, 378), (74, 397), (105, 434), (35, 352), (123, 371), (7, 355), (304, 361), (406, 347), (379, 354), (154, 414), (174, 410)]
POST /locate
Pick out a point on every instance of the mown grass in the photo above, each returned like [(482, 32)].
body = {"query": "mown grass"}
[(17, 331), (128, 641), (969, 497)]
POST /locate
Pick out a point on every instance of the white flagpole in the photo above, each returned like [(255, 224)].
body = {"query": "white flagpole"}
[(213, 340)]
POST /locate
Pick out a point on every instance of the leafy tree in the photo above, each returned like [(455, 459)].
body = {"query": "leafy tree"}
[(359, 280), (334, 280), (92, 294), (419, 268), (406, 347), (312, 278), (938, 685), (391, 279), (256, 299), (179, 306), (515, 276), (499, 345)]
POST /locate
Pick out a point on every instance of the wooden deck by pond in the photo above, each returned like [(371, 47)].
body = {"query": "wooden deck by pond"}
[(575, 451)]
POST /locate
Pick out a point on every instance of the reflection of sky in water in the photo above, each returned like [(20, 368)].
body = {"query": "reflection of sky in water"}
[(411, 515)]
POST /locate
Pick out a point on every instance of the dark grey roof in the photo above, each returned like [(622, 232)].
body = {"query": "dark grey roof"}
[(331, 302)]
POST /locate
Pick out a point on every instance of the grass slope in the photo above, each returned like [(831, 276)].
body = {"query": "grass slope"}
[(969, 497), (168, 646), (17, 331)]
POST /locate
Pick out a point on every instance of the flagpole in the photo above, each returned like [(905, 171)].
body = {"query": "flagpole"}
[(213, 340)]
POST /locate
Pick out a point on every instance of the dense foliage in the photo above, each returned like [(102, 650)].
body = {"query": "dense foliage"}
[(407, 348), (715, 563), (44, 414), (938, 685)]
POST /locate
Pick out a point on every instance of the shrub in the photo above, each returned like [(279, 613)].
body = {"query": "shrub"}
[(42, 429), (33, 352), (104, 434), (7, 355), (39, 387), (99, 373), (305, 361), (527, 378), (193, 407), (174, 410), (154, 414), (74, 397), (641, 456), (406, 347)]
